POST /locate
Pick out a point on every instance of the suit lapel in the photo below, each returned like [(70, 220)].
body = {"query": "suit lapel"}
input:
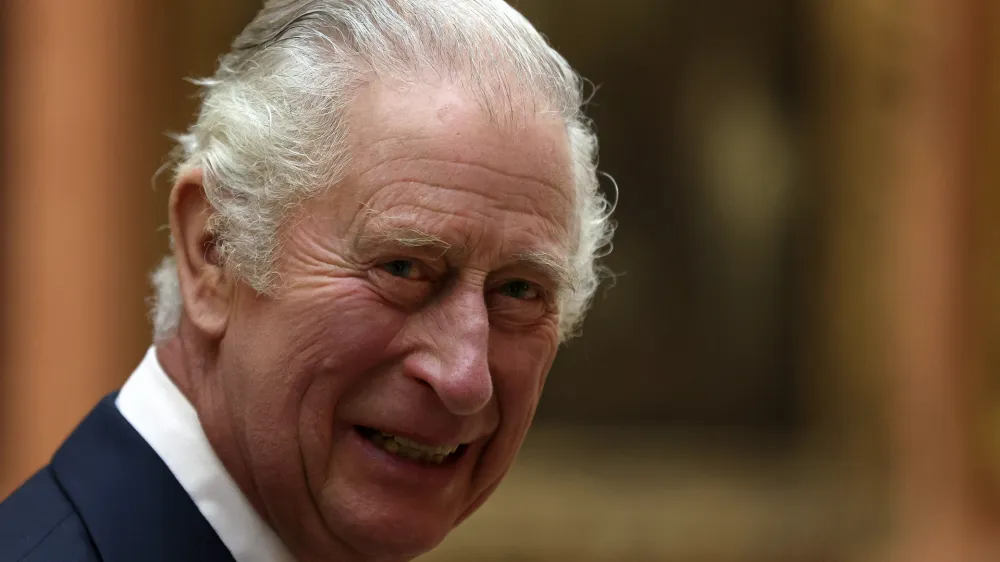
[(128, 499)]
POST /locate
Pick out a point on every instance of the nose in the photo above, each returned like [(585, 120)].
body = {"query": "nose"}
[(454, 359)]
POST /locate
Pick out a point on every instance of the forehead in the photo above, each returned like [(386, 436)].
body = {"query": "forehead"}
[(429, 158)]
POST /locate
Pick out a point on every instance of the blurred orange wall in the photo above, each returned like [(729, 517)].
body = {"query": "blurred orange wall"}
[(71, 216)]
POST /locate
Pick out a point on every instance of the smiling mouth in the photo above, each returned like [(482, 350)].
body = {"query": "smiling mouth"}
[(412, 450)]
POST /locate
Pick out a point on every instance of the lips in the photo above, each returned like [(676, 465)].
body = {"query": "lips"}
[(412, 449)]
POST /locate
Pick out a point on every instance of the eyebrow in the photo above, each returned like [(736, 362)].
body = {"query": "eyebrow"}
[(369, 241), (549, 266), (542, 262)]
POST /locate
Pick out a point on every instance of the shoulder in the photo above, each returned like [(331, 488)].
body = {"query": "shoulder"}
[(39, 524)]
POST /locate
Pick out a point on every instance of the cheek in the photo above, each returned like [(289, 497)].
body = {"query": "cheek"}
[(520, 364), (519, 367), (294, 357), (282, 341)]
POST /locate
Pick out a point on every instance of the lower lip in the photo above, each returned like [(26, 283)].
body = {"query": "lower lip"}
[(399, 468)]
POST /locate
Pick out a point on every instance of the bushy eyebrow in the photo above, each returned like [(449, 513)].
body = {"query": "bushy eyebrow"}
[(547, 265), (377, 232), (381, 238), (377, 237)]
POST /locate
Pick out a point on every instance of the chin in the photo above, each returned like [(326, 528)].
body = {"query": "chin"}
[(396, 535)]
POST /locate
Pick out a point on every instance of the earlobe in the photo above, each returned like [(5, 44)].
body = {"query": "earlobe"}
[(206, 288)]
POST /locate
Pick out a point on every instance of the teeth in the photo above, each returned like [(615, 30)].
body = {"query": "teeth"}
[(407, 448), (441, 450)]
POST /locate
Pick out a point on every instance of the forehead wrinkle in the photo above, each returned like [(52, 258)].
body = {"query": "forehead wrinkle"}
[(476, 223), (563, 191), (520, 203)]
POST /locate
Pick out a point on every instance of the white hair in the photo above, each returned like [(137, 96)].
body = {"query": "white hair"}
[(271, 130)]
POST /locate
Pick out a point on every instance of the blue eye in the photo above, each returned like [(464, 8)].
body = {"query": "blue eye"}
[(399, 268), (520, 289)]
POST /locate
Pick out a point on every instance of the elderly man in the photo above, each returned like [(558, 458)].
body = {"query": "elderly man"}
[(385, 220)]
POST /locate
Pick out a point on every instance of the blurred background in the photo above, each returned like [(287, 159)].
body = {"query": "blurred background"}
[(799, 359)]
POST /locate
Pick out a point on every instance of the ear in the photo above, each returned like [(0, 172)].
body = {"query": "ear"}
[(207, 290)]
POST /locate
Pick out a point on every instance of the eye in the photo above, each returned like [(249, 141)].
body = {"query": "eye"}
[(407, 269), (405, 282), (520, 289), (518, 304)]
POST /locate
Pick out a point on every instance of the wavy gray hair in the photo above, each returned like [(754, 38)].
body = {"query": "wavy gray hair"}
[(271, 129)]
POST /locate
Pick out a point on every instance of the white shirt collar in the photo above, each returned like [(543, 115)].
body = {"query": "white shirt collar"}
[(162, 415)]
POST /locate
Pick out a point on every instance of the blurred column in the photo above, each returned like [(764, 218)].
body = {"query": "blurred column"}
[(985, 275), (913, 286), (74, 224), (941, 500), (858, 90)]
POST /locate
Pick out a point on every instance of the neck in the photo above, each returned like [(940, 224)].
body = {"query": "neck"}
[(191, 371)]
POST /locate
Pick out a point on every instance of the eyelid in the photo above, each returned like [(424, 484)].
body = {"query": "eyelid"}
[(423, 270), (543, 294), (542, 284)]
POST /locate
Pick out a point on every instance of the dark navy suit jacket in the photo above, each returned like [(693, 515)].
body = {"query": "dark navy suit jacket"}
[(106, 496)]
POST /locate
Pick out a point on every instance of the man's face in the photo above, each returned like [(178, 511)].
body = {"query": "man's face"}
[(380, 398)]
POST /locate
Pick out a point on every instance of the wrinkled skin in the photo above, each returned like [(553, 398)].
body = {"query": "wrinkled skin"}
[(447, 338)]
